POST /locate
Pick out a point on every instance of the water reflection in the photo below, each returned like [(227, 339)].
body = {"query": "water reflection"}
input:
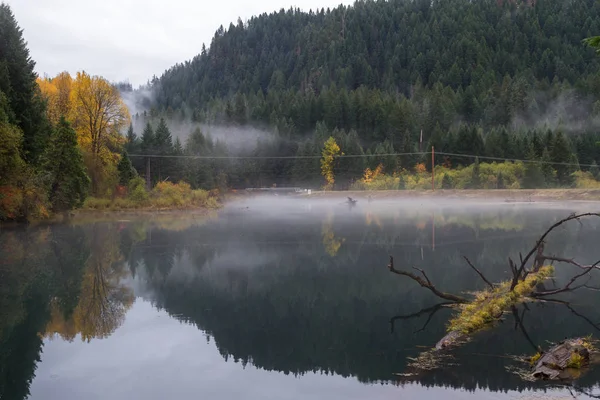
[(298, 292)]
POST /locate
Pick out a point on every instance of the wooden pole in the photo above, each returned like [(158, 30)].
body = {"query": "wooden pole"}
[(432, 168)]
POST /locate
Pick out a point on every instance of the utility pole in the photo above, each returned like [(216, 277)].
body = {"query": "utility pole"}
[(432, 168)]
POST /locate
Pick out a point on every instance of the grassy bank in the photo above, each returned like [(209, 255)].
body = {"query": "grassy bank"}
[(164, 196)]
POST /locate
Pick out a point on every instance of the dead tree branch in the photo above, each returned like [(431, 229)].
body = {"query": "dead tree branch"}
[(426, 283), (567, 287), (541, 241), (479, 273)]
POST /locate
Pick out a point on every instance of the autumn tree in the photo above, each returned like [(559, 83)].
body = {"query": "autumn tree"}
[(98, 114), (330, 151), (63, 164), (57, 93)]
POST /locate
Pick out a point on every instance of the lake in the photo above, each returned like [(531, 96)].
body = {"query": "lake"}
[(279, 298)]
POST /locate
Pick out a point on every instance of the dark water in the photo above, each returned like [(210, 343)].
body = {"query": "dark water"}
[(286, 299)]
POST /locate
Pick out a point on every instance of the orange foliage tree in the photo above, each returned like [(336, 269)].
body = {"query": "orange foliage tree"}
[(98, 114)]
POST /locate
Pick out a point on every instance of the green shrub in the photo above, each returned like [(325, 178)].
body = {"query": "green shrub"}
[(585, 180), (137, 190), (94, 203)]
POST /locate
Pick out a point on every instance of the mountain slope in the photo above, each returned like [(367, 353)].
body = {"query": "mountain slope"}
[(470, 47)]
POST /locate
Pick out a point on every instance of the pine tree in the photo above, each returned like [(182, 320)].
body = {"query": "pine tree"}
[(148, 148), (561, 156), (68, 182), (163, 145), (475, 182), (131, 143), (534, 175), (18, 82), (125, 169), (547, 169), (163, 141)]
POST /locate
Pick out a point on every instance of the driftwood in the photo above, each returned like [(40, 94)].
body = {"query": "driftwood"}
[(426, 283), (522, 286), (560, 361)]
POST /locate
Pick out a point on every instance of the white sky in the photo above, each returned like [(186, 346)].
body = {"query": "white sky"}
[(130, 39)]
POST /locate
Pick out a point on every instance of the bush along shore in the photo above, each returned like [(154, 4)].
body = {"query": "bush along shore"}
[(164, 196)]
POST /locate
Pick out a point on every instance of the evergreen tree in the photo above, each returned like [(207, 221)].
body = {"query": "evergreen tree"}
[(148, 148), (132, 142), (125, 169), (547, 169), (68, 182), (561, 156), (475, 182), (18, 82), (534, 175)]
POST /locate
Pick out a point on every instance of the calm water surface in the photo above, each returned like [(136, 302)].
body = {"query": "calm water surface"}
[(276, 299)]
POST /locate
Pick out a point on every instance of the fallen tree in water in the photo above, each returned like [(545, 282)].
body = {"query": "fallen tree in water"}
[(563, 361), (487, 307)]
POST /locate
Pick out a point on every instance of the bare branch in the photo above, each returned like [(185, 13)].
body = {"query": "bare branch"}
[(479, 272), (426, 284), (424, 274), (567, 287), (541, 240), (568, 261)]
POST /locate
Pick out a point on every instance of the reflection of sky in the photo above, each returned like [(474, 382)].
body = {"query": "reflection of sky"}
[(153, 356)]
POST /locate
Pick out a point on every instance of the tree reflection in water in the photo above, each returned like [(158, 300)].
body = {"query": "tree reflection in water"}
[(103, 300), (286, 293)]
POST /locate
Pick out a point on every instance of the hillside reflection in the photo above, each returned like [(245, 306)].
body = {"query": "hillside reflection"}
[(305, 290)]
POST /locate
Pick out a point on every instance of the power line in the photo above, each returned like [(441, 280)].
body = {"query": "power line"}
[(513, 159), (273, 157), (418, 153)]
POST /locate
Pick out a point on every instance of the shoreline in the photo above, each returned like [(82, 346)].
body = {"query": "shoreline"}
[(505, 195)]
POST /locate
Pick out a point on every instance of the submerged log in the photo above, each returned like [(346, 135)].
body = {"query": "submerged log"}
[(563, 360), (451, 339)]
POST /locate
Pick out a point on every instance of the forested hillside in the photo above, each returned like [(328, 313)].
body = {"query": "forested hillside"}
[(476, 77)]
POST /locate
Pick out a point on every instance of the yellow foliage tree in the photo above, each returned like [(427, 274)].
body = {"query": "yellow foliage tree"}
[(370, 175), (98, 114), (330, 151), (57, 92)]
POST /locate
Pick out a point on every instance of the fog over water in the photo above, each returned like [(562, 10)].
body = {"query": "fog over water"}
[(279, 297)]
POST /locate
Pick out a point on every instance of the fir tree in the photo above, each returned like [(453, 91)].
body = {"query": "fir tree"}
[(534, 175), (125, 169), (63, 164), (18, 82), (475, 182), (561, 156)]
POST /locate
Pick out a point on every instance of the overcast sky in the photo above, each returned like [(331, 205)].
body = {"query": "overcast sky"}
[(130, 39)]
